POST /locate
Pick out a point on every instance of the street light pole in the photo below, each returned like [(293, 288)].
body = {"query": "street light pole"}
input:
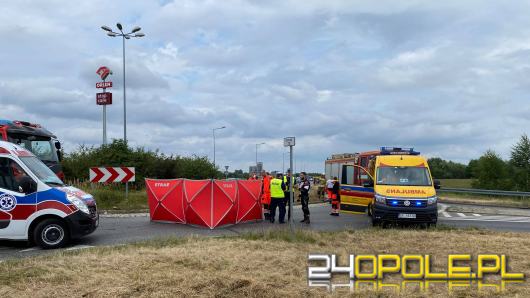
[(213, 133), (134, 33), (124, 97)]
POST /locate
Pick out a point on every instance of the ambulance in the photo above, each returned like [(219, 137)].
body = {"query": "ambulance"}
[(35, 205), (391, 185)]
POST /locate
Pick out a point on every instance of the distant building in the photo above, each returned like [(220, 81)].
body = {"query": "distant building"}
[(256, 169)]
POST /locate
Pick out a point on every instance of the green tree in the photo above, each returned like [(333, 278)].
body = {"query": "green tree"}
[(471, 168), (520, 159), (442, 169), (491, 172)]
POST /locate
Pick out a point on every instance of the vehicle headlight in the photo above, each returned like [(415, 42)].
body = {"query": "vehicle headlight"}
[(432, 200), (380, 199), (80, 204)]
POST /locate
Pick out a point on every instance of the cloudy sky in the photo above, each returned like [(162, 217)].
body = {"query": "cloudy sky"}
[(451, 78)]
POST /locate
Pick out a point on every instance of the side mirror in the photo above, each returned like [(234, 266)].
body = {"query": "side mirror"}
[(59, 155), (437, 184), (27, 185), (368, 184), (58, 145)]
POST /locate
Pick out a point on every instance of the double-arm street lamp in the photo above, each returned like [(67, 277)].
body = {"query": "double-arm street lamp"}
[(134, 33), (213, 133)]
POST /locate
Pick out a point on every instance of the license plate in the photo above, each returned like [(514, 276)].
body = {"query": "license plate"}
[(406, 215)]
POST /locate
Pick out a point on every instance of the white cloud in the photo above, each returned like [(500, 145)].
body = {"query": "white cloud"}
[(450, 78)]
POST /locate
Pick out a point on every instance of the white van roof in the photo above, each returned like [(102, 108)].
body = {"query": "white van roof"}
[(7, 148)]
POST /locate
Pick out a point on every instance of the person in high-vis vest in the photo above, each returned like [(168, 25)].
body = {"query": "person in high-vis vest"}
[(288, 181), (335, 197), (277, 198), (266, 194)]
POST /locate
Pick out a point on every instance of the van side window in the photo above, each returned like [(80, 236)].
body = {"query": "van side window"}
[(347, 174), (11, 174)]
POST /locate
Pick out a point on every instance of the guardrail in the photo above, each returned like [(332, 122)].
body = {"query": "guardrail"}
[(488, 192)]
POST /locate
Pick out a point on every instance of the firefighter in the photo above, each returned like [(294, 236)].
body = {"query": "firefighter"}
[(277, 198), (304, 187), (288, 181), (335, 197), (266, 194)]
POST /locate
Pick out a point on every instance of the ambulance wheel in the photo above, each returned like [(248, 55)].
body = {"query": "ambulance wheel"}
[(369, 210), (51, 233)]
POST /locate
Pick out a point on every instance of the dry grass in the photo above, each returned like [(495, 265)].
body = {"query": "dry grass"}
[(484, 200), (253, 265)]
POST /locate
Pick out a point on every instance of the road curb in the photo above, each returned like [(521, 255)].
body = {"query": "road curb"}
[(107, 214)]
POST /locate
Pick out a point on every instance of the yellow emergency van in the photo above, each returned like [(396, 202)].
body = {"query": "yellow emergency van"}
[(404, 190), (391, 185)]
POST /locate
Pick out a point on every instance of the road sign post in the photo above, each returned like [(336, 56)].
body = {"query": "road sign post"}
[(104, 98), (291, 142)]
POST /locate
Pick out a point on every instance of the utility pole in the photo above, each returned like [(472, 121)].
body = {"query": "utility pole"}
[(291, 142)]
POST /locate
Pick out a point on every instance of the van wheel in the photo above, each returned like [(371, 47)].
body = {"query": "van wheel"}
[(51, 233), (369, 210)]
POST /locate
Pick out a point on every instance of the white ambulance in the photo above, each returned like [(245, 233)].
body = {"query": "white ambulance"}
[(35, 205)]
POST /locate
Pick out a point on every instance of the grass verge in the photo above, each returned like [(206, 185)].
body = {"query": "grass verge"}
[(485, 200), (269, 264), (456, 183)]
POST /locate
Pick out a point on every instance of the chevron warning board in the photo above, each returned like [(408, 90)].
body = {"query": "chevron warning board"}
[(112, 174)]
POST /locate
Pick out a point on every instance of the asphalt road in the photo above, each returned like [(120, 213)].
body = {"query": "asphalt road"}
[(122, 230)]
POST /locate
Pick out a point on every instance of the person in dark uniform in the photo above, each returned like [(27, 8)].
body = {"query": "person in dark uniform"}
[(304, 187), (288, 181)]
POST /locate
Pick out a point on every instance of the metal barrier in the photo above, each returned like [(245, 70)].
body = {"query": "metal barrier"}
[(488, 192)]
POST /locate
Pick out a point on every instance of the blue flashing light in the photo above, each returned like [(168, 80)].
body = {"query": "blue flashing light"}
[(394, 202), (398, 151), (418, 203), (5, 122)]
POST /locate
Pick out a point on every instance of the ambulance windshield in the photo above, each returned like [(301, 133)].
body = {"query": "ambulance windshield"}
[(40, 170), (403, 176)]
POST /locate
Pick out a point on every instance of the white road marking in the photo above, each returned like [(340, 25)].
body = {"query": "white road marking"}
[(443, 207), (475, 214), (446, 214), (494, 218), (77, 247), (461, 214), (30, 249)]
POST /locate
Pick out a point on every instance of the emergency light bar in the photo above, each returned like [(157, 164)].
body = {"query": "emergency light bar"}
[(398, 151), (25, 123)]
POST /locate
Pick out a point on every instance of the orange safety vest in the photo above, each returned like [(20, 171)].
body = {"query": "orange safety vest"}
[(266, 196)]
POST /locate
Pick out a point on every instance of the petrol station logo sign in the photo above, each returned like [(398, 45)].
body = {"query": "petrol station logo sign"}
[(104, 98), (103, 72), (103, 85)]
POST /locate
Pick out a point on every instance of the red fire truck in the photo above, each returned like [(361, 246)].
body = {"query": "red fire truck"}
[(352, 171), (36, 139)]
